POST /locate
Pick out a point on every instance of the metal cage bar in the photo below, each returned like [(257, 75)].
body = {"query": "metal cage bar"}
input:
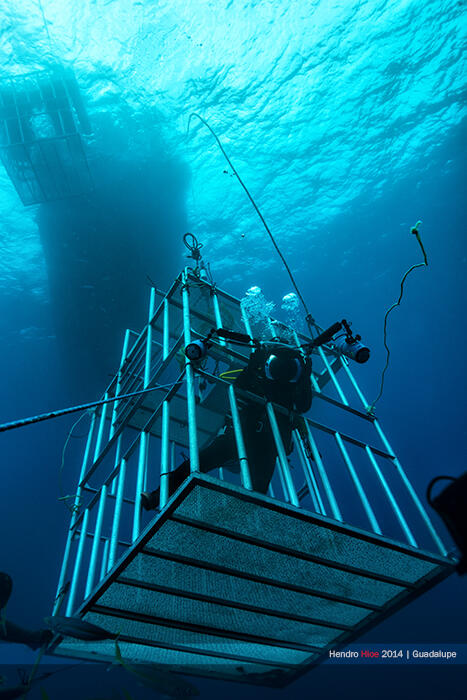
[(166, 331), (309, 475), (96, 542), (164, 476), (118, 386), (358, 484), (77, 567), (333, 376), (222, 342), (323, 475), (100, 432), (115, 407), (242, 456), (415, 499), (147, 363), (283, 463), (246, 321), (142, 466), (105, 559), (398, 513), (417, 502), (285, 492), (117, 514), (190, 384), (76, 505)]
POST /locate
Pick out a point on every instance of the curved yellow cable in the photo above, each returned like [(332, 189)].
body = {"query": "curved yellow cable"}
[(228, 372)]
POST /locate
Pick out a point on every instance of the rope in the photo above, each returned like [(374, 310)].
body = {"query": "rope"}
[(308, 315), (414, 230), (74, 508), (83, 407), (46, 27)]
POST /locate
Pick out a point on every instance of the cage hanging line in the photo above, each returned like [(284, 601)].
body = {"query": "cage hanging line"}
[(82, 407), (309, 318)]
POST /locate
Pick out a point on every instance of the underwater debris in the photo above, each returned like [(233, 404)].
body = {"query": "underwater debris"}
[(157, 678), (77, 628)]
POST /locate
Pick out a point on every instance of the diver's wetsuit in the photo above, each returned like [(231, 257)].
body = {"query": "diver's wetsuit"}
[(257, 433)]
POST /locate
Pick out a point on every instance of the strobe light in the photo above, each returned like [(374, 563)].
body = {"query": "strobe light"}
[(196, 350), (349, 345), (354, 349)]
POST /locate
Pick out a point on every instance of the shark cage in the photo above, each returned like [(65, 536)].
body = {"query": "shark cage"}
[(222, 581), (42, 119)]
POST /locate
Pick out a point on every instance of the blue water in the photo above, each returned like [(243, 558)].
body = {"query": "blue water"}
[(347, 121)]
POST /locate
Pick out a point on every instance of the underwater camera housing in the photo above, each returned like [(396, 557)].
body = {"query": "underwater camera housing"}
[(354, 348), (350, 345), (283, 368)]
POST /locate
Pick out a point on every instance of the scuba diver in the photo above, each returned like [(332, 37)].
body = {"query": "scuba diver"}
[(34, 639), (277, 372)]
